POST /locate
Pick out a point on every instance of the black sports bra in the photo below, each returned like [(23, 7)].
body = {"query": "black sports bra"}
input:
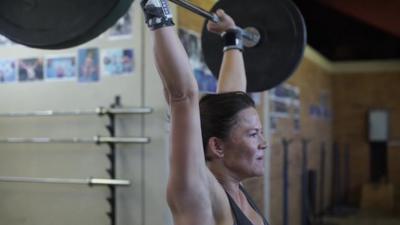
[(239, 217)]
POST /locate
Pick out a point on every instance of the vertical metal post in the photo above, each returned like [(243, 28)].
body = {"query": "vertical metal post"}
[(304, 183), (346, 178), (111, 156), (286, 144), (336, 176), (322, 179)]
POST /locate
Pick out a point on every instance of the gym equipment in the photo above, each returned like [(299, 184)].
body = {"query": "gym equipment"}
[(251, 36), (58, 24), (100, 111), (305, 214), (280, 48), (274, 33), (89, 181), (285, 174), (322, 180), (93, 140)]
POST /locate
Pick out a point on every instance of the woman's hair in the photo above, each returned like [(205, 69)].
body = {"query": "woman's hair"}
[(218, 114)]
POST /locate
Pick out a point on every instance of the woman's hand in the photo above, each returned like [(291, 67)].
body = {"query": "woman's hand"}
[(226, 23)]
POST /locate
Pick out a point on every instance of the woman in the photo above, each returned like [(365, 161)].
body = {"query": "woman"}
[(207, 192)]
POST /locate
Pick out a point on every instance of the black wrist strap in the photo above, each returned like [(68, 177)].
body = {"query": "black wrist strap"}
[(232, 39)]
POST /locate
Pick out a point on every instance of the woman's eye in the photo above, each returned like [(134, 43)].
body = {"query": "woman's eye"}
[(253, 134)]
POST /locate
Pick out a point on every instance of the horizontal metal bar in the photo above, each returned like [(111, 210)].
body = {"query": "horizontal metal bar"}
[(121, 140), (98, 181), (94, 140), (101, 111), (88, 181), (195, 9)]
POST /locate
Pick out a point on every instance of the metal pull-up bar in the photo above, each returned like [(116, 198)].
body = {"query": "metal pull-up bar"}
[(94, 140), (101, 111), (89, 181)]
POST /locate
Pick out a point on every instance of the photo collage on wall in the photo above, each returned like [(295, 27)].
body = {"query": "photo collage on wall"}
[(285, 104), (84, 65), (192, 44)]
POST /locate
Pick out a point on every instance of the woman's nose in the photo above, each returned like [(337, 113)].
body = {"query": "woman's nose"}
[(263, 144)]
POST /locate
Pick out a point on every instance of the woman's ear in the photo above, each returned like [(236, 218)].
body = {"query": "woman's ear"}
[(216, 147)]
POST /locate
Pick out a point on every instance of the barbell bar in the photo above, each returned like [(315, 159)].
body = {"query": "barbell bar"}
[(101, 111), (250, 35), (89, 181), (92, 140)]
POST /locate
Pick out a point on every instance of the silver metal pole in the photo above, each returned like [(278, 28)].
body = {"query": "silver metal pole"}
[(88, 181), (93, 140), (199, 11), (251, 35), (78, 112), (121, 140)]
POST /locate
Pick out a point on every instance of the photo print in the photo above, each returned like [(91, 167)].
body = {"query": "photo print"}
[(59, 68), (322, 109), (8, 71), (30, 69), (117, 62), (88, 65), (192, 44), (273, 124), (122, 29), (279, 109)]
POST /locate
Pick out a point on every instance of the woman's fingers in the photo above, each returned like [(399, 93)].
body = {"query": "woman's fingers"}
[(226, 22)]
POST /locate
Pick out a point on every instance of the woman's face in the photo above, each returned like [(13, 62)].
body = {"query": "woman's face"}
[(244, 148)]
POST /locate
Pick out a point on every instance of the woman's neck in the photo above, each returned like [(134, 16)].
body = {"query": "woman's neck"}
[(229, 181)]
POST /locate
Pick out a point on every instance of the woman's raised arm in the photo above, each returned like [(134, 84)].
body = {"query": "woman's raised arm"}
[(188, 171), (232, 75)]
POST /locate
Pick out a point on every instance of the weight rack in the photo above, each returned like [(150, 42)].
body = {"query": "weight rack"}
[(112, 112)]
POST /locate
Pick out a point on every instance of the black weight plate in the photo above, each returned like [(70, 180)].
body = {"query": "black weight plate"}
[(49, 22), (283, 39), (102, 25)]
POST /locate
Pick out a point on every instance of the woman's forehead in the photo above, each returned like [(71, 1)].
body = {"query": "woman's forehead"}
[(249, 118)]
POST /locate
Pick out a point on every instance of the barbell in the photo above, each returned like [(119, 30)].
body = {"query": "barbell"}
[(274, 31)]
